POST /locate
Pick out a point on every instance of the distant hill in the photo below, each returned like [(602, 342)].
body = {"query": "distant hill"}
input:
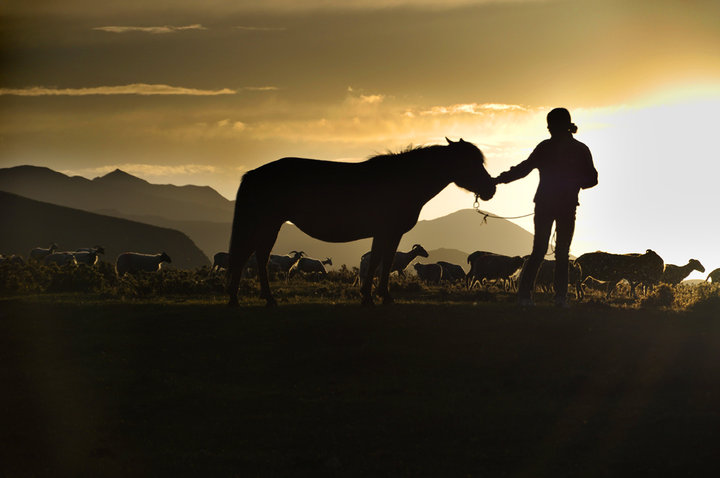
[(27, 223), (117, 191)]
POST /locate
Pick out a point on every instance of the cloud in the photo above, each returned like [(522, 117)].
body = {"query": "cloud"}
[(141, 89), (153, 30), (471, 109), (371, 99), (354, 97), (260, 88)]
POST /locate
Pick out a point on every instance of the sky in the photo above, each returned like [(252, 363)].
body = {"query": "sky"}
[(198, 92)]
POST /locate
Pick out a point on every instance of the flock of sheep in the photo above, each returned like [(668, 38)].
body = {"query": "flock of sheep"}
[(127, 262), (597, 269)]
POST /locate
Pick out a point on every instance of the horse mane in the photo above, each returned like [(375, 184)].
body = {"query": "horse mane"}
[(406, 153), (411, 152)]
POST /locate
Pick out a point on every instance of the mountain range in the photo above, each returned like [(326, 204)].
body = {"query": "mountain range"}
[(205, 217), (118, 191)]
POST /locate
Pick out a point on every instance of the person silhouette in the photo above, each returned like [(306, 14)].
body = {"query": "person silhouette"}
[(565, 166)]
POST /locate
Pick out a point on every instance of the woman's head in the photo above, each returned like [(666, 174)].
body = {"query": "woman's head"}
[(558, 121)]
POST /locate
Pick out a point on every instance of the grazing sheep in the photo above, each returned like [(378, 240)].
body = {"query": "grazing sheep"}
[(646, 269), (400, 261), (12, 259), (221, 260), (430, 273), (39, 253), (133, 262), (675, 274), (308, 265), (60, 259), (95, 249), (282, 264), (490, 266), (451, 272), (714, 276), (546, 276), (86, 257)]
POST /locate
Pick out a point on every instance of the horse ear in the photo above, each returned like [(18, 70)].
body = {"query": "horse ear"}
[(461, 140), (448, 140)]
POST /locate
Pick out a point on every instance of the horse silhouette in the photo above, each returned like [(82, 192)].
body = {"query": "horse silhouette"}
[(380, 197)]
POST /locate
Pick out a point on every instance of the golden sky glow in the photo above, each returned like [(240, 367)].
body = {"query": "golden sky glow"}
[(200, 91)]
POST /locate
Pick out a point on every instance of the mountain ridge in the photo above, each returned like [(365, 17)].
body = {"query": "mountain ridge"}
[(116, 190)]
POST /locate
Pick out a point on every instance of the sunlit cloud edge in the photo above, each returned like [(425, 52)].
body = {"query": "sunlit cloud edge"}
[(152, 30), (142, 89)]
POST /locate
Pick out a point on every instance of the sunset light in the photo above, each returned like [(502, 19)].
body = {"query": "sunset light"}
[(359, 238)]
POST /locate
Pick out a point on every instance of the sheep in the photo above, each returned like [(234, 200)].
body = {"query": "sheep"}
[(95, 249), (675, 274), (86, 257), (490, 266), (714, 276), (221, 260), (12, 259), (546, 276), (400, 261), (430, 273), (637, 269), (451, 272), (39, 253), (309, 265), (60, 259), (133, 262), (282, 264)]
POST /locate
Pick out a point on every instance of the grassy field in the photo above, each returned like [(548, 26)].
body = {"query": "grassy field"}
[(188, 387)]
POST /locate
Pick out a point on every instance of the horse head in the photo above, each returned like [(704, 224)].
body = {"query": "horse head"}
[(470, 172)]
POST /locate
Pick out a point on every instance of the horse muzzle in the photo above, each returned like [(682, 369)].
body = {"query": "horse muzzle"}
[(487, 192)]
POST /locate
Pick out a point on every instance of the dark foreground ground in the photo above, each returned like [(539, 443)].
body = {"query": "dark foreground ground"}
[(190, 389)]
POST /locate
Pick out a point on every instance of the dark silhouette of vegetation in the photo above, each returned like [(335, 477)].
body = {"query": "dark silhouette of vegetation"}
[(202, 284)]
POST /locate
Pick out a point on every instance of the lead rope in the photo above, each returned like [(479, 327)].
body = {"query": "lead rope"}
[(486, 215)]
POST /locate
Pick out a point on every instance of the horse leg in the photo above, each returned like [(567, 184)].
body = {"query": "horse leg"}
[(239, 254), (367, 280), (387, 251), (265, 242)]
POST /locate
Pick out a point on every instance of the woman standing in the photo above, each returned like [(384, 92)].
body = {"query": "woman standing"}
[(565, 166)]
